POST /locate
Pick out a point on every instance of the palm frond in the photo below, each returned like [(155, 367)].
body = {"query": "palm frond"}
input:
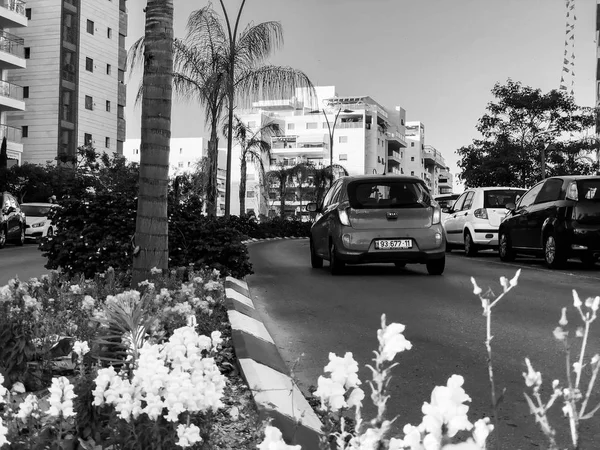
[(135, 56), (206, 30), (257, 42)]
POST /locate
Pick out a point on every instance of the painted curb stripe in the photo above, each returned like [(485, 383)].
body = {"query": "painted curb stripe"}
[(293, 433), (234, 295), (282, 394), (241, 284), (248, 346), (237, 288), (242, 322), (242, 308)]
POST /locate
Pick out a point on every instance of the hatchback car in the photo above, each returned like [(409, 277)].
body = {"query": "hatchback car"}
[(12, 221), (377, 219), (446, 201), (38, 223), (558, 218), (474, 218)]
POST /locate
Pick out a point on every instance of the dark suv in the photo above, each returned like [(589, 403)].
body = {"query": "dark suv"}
[(12, 221), (378, 219), (558, 218)]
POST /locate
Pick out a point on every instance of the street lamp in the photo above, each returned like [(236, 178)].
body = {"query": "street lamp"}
[(331, 130)]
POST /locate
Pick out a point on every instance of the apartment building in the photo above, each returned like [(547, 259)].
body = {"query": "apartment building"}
[(362, 136), (184, 157), (74, 83), (12, 57)]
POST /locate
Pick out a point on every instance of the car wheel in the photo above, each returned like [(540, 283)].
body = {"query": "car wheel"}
[(2, 237), (553, 252), (505, 250), (588, 261), (470, 247), (436, 266), (335, 265), (21, 240), (316, 261), (400, 264)]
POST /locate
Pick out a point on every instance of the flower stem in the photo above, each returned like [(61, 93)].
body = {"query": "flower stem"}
[(488, 345)]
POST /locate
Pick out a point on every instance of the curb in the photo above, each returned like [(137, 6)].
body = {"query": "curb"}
[(275, 393), (250, 241)]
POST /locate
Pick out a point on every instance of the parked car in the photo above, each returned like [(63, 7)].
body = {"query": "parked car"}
[(558, 218), (446, 201), (474, 218), (12, 221), (377, 219), (38, 223)]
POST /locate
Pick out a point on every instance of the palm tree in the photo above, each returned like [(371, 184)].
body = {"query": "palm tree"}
[(323, 179), (280, 177), (254, 146), (247, 76), (301, 174), (151, 226)]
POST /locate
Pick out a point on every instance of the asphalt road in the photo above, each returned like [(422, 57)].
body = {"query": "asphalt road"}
[(311, 313), (25, 262)]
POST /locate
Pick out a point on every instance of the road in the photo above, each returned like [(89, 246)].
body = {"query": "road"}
[(26, 262), (310, 313)]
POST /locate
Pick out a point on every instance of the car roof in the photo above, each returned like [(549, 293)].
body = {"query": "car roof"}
[(495, 188), (37, 204), (576, 177), (351, 178)]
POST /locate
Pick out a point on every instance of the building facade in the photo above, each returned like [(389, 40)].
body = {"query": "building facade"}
[(365, 137), (13, 18), (74, 82)]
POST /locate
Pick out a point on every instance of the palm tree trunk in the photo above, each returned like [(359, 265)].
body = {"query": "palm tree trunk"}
[(242, 192), (151, 227), (282, 189), (211, 184)]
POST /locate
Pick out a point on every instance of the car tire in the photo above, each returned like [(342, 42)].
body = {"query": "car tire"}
[(336, 267), (316, 261), (21, 240), (449, 247), (505, 250), (436, 266), (470, 247), (400, 264), (588, 261), (554, 254), (2, 237)]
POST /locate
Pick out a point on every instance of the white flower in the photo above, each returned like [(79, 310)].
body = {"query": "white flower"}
[(81, 348), (560, 334), (356, 397), (504, 283), (331, 394), (577, 367), (343, 370), (3, 433), (476, 289), (18, 388), (532, 378), (155, 271), (61, 398), (3, 390), (481, 430), (188, 435), (391, 340), (447, 408), (514, 280), (29, 408), (593, 303), (216, 339), (595, 359), (274, 441), (88, 302), (563, 322), (576, 301), (75, 289), (191, 321)]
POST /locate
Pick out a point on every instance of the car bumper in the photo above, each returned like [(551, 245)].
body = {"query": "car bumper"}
[(485, 237), (584, 239), (427, 244)]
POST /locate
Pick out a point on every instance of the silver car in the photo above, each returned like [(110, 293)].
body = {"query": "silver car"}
[(377, 219)]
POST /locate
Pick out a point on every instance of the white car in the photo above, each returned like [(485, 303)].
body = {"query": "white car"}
[(473, 221), (446, 201), (36, 216)]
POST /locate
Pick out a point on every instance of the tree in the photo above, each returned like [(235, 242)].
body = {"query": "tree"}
[(323, 179), (151, 231), (254, 146), (301, 175), (3, 154), (521, 124), (279, 178)]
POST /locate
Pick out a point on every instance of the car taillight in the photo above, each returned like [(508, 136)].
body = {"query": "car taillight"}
[(437, 215), (344, 218), (480, 213), (572, 192)]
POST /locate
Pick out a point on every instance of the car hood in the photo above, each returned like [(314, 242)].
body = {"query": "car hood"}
[(34, 220)]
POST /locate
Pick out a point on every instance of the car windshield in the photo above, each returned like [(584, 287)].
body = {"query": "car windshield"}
[(589, 189), (384, 194), (500, 198), (35, 211), (446, 202)]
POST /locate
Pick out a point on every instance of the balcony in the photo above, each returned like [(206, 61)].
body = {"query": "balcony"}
[(345, 125), (12, 14), (394, 158), (12, 134), (11, 97), (433, 157), (12, 51), (397, 138)]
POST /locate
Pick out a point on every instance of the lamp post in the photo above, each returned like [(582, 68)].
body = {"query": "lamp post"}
[(331, 128)]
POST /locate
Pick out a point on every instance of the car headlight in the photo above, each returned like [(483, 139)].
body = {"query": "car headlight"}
[(38, 225)]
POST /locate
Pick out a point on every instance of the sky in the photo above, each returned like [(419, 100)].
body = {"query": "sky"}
[(438, 59)]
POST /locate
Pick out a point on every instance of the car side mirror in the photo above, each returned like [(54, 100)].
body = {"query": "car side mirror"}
[(446, 210), (511, 206), (312, 207)]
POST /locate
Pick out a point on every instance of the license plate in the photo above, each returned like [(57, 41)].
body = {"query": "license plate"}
[(393, 244)]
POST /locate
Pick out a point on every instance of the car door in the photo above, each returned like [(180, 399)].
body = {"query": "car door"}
[(321, 228), (543, 208), (521, 217), (450, 225), (462, 217)]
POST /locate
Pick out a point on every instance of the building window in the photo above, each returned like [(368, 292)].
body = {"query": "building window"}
[(412, 158), (121, 76), (107, 142), (90, 26), (89, 102), (412, 144), (249, 194), (87, 139), (343, 157), (89, 64), (290, 126), (401, 121), (378, 141), (25, 131), (109, 33), (343, 139), (120, 112), (107, 105), (311, 125), (108, 69), (67, 105), (412, 173), (27, 52), (28, 13), (25, 91)]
